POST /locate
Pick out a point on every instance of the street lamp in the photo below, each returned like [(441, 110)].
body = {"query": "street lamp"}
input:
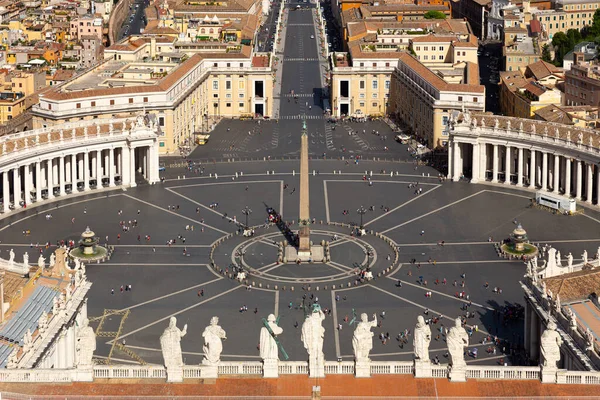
[(246, 211), (361, 211)]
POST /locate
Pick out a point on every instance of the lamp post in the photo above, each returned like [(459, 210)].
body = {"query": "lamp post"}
[(361, 211), (246, 211)]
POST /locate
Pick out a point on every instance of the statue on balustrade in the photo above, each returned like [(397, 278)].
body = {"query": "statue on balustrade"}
[(213, 345), (589, 340), (41, 262), (569, 260), (268, 345), (26, 259), (362, 340), (558, 259), (170, 344), (11, 257), (85, 345), (584, 256), (52, 260), (550, 346), (313, 334), (572, 319), (457, 341), (13, 359), (422, 339)]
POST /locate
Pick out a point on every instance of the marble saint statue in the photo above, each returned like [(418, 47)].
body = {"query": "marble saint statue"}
[(362, 340), (569, 260), (52, 260), (457, 339), (85, 345), (421, 339), (584, 256), (11, 256), (41, 262), (550, 342), (313, 333), (268, 345), (213, 346), (170, 344)]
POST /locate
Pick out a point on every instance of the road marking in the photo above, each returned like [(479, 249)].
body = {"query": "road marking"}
[(438, 292), (276, 312), (174, 213), (326, 201), (176, 313), (270, 243), (403, 204), (338, 242), (432, 212), (340, 267), (268, 267), (420, 306), (281, 198), (336, 333), (220, 183)]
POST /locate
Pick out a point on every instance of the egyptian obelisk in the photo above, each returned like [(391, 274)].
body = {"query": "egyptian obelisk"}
[(304, 231)]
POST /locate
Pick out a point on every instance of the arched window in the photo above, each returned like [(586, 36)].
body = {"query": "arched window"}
[(211, 30), (202, 30)]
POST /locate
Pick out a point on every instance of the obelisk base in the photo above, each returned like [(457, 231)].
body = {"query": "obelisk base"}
[(304, 240)]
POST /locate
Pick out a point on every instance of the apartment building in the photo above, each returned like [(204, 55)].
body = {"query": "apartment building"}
[(582, 82), (423, 97), (187, 95)]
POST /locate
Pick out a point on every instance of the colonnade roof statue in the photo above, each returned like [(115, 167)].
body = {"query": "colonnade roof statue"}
[(550, 346), (313, 333), (362, 340), (213, 346)]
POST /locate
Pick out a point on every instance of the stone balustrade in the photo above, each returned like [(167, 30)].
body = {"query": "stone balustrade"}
[(129, 372), (17, 268)]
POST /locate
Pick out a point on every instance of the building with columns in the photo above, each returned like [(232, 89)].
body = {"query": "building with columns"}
[(76, 157), (526, 153)]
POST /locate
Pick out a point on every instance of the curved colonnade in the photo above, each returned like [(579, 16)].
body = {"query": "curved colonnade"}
[(527, 153), (42, 164)]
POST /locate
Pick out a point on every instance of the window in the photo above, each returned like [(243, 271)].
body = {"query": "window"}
[(215, 85), (375, 84), (460, 98), (78, 105), (228, 95), (227, 104), (161, 121), (362, 84), (361, 95), (374, 95), (444, 120), (241, 105), (145, 99), (49, 107), (418, 48), (426, 48), (362, 64), (241, 95), (426, 57), (93, 104), (131, 100), (361, 104), (228, 65), (374, 104), (215, 65), (216, 95), (387, 64), (440, 57), (241, 65), (474, 99), (387, 84), (241, 85), (432, 48), (112, 102), (227, 85)]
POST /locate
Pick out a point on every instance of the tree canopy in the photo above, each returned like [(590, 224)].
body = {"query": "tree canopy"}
[(435, 15)]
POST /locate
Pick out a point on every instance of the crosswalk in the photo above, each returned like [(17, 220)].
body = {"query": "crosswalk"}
[(300, 59), (301, 117)]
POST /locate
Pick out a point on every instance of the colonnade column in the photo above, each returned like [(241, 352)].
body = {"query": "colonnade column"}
[(495, 165), (62, 178), (27, 180), (17, 187), (153, 156), (111, 167), (132, 168), (532, 177), (556, 173), (578, 182), (450, 174), (507, 162), (476, 168), (590, 183), (74, 173), (86, 171), (38, 181), (125, 176), (6, 191), (98, 169), (520, 168), (544, 171), (567, 177), (50, 171), (457, 162)]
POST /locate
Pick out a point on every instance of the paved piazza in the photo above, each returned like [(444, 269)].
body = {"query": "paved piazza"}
[(166, 280)]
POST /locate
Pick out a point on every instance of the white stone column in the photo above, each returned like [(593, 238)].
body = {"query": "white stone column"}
[(61, 175), (544, 171), (144, 162), (520, 168), (111, 167), (507, 165), (132, 168), (567, 177), (50, 171), (153, 158), (86, 171), (495, 165), (590, 183), (17, 187), (125, 175), (598, 186), (92, 165), (450, 160), (38, 181), (579, 182), (556, 173), (74, 173), (476, 165), (119, 164), (5, 191), (107, 165), (532, 167), (27, 180), (99, 172)]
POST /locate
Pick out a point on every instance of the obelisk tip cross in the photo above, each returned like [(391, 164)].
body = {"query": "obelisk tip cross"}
[(304, 231)]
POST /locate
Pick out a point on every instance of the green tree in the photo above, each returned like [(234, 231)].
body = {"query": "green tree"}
[(546, 56), (434, 15)]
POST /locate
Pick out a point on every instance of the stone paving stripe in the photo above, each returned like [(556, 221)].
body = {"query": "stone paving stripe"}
[(336, 333), (402, 205)]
